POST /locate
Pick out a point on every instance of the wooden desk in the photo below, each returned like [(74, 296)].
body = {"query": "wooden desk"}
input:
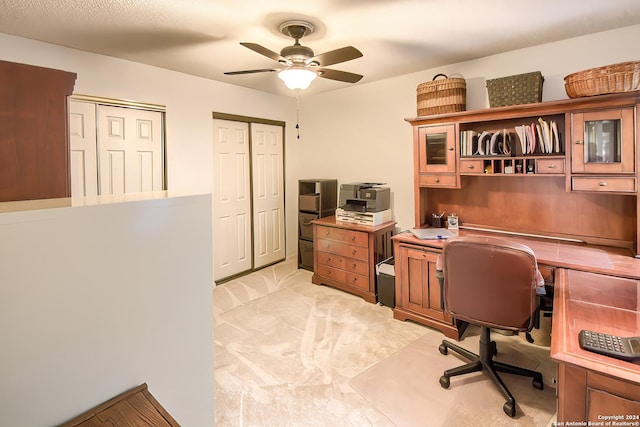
[(596, 288), (590, 385), (557, 253)]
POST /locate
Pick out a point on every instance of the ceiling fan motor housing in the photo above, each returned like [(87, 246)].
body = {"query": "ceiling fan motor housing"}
[(297, 54)]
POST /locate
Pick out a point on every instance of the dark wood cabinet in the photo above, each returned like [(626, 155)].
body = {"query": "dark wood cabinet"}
[(317, 198), (34, 147)]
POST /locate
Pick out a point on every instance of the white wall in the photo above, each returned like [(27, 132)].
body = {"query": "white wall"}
[(189, 103), (353, 134), (95, 300), (359, 134)]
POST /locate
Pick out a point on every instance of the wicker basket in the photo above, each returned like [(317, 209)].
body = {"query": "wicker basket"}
[(514, 90), (447, 95), (622, 77)]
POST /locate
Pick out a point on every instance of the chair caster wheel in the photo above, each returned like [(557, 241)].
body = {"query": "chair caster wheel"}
[(537, 383), (443, 349), (444, 382), (509, 408)]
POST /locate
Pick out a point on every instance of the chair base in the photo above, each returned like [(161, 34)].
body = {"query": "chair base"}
[(484, 362)]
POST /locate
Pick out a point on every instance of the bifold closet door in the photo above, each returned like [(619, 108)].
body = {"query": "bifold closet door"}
[(82, 139), (115, 150), (268, 194), (231, 199), (129, 150)]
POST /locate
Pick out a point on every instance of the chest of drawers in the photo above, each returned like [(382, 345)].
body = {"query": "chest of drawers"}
[(345, 255)]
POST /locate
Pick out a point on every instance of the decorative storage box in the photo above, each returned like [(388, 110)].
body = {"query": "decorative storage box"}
[(309, 202), (448, 95), (513, 90), (622, 77)]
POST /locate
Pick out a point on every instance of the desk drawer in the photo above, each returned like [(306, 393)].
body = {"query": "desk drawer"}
[(348, 264), (348, 236), (449, 181), (343, 249), (550, 166), (472, 166), (331, 273), (611, 184), (357, 281)]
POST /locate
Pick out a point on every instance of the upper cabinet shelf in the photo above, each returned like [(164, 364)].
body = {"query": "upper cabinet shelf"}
[(582, 139)]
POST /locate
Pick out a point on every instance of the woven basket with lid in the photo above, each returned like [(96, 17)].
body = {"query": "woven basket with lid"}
[(448, 95)]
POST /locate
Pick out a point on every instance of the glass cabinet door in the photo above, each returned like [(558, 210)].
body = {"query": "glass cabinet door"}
[(437, 149), (603, 142)]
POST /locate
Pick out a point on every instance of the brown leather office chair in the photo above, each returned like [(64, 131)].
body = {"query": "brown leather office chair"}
[(489, 282)]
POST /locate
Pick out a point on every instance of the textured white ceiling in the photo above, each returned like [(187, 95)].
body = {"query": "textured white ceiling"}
[(201, 37)]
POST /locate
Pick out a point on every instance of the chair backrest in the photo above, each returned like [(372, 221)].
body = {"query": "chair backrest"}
[(490, 282)]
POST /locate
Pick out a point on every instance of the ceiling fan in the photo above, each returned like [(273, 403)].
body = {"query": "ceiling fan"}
[(300, 65)]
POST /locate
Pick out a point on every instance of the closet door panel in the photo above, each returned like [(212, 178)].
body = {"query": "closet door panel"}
[(84, 158), (231, 199), (268, 194), (130, 157)]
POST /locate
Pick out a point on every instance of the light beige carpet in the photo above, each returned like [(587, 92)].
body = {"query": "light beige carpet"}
[(291, 353), (405, 386)]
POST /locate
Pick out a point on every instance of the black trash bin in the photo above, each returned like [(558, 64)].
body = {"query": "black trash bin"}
[(386, 282)]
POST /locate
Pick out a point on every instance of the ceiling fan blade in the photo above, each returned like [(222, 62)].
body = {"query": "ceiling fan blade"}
[(264, 51), (342, 76), (336, 56), (263, 70)]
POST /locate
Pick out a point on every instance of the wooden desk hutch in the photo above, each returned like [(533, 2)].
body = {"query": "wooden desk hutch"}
[(577, 207)]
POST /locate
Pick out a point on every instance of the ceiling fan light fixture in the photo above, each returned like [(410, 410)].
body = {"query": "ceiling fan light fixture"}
[(297, 78)]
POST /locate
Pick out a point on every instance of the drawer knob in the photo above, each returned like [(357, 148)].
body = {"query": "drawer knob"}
[(353, 238), (436, 180), (353, 252), (328, 259), (451, 149), (353, 266), (578, 142), (355, 279), (552, 166), (602, 184), (424, 255), (471, 166)]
